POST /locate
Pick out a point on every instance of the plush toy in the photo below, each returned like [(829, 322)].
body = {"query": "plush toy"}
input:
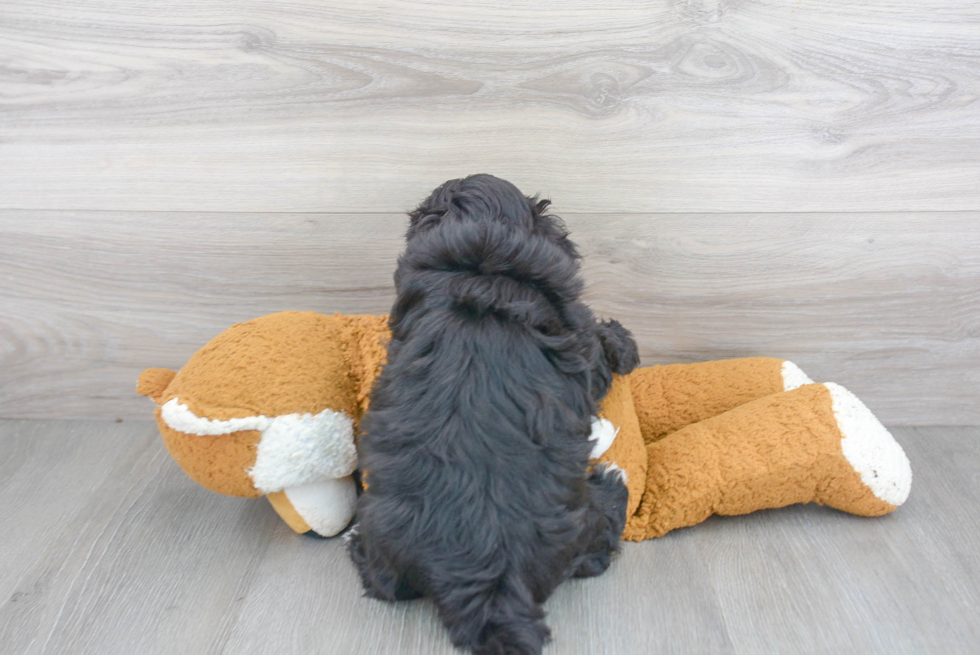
[(271, 407)]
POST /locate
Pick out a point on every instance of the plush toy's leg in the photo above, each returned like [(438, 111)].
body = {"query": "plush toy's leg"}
[(667, 398), (818, 443), (324, 507)]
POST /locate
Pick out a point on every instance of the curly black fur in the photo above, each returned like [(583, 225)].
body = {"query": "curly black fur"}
[(476, 443)]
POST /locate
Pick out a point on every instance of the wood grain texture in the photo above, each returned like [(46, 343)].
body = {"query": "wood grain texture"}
[(608, 105), (106, 547), (913, 575), (102, 545), (887, 305)]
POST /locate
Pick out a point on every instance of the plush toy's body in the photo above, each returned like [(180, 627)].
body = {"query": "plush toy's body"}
[(271, 407)]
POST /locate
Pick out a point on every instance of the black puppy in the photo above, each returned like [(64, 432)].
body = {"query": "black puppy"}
[(476, 444)]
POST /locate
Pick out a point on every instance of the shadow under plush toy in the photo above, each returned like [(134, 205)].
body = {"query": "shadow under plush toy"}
[(270, 407)]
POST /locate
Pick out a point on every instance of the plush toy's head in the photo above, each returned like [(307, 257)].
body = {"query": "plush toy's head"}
[(271, 404)]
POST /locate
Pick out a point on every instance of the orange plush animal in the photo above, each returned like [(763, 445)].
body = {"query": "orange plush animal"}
[(271, 407)]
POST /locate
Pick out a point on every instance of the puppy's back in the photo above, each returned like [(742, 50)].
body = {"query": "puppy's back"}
[(475, 451), (475, 443)]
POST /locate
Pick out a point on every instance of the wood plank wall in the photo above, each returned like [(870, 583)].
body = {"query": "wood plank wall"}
[(781, 178)]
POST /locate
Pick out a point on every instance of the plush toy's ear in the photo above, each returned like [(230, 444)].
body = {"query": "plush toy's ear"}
[(153, 382)]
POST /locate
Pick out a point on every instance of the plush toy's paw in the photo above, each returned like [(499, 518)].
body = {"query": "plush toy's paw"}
[(602, 436), (870, 450), (325, 507)]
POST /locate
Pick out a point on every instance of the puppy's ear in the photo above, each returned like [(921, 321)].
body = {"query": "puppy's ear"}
[(421, 218), (431, 210), (550, 226)]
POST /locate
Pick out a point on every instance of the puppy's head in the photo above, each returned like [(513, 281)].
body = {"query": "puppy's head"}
[(488, 199)]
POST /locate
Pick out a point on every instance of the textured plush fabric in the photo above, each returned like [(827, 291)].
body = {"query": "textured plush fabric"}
[(667, 398), (219, 463), (717, 437), (280, 369), (774, 451), (277, 364)]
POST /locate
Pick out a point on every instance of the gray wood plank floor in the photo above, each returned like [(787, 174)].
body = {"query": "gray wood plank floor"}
[(106, 547)]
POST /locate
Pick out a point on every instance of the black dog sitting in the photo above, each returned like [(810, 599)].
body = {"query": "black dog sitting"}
[(476, 443)]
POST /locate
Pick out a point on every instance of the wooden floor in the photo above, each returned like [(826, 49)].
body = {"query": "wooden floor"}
[(106, 547)]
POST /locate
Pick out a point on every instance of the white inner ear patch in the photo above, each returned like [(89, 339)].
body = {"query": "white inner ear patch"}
[(603, 434), (295, 449)]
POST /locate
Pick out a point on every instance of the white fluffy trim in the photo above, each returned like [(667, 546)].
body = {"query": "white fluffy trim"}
[(603, 434), (295, 449), (793, 376), (870, 448)]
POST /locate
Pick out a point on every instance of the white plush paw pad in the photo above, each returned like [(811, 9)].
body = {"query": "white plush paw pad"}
[(870, 448), (612, 469), (603, 435), (793, 376), (326, 506)]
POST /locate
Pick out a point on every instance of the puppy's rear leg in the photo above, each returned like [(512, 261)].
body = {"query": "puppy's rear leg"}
[(492, 617), (380, 580), (605, 521)]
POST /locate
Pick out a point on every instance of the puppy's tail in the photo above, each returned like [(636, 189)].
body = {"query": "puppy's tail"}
[(500, 619)]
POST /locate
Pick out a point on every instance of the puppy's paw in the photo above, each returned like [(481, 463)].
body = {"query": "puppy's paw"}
[(608, 476), (619, 347), (610, 494), (612, 469), (379, 579), (350, 535), (602, 436)]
